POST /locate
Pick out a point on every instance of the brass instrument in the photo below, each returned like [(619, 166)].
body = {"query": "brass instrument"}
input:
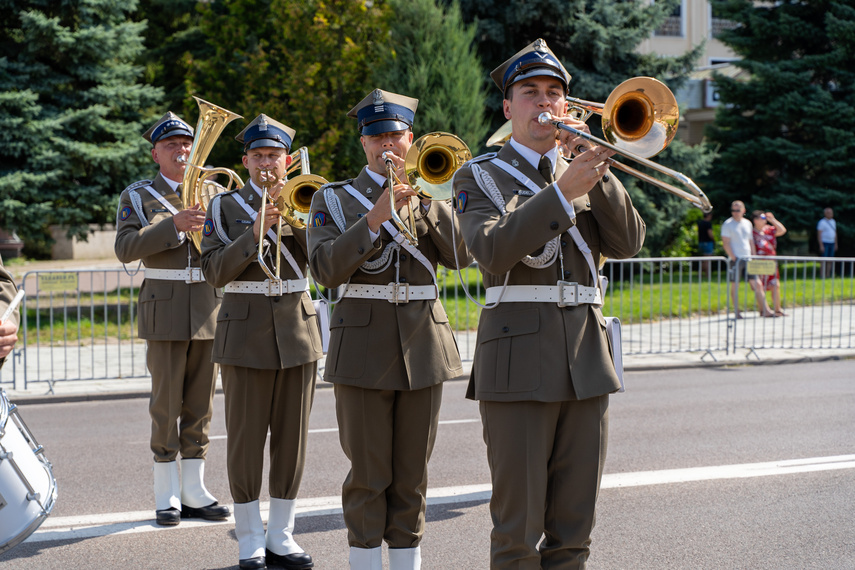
[(197, 189), (430, 165), (639, 120), (268, 178), (295, 201)]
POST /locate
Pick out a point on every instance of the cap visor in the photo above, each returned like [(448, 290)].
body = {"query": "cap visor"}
[(388, 126), (258, 143), (175, 133)]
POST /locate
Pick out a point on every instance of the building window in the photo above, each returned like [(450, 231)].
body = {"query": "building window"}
[(673, 24), (719, 24)]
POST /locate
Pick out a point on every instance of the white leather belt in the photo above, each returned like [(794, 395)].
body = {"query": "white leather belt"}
[(565, 294), (393, 292), (188, 274), (269, 287)]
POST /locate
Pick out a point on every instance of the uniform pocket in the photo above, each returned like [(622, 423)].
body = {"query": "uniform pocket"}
[(231, 338), (509, 352), (349, 340), (155, 308), (445, 336), (311, 322)]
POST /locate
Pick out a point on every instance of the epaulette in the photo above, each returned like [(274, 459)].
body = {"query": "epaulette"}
[(138, 184), (337, 183), (483, 157)]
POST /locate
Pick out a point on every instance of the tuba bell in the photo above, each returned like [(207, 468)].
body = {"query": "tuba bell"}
[(197, 188)]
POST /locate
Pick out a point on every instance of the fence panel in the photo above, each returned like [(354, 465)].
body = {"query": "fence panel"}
[(81, 325), (817, 297)]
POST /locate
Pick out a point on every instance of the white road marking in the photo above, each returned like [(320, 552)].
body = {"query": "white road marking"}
[(90, 526)]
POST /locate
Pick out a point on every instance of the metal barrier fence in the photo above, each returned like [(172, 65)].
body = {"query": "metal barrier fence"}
[(81, 325)]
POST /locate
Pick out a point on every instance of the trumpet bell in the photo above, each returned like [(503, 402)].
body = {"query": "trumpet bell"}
[(641, 116), (431, 162), (295, 200)]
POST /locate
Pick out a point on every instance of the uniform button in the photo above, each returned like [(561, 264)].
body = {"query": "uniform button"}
[(276, 299), (505, 329), (605, 177), (403, 280), (553, 226), (360, 250), (566, 274), (168, 244), (563, 244), (340, 321), (403, 257), (152, 296), (226, 315)]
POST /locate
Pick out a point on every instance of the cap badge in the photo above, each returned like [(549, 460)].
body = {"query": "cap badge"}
[(378, 97), (262, 125), (540, 45)]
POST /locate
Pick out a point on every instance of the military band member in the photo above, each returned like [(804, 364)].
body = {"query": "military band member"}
[(9, 327), (391, 347), (543, 367), (267, 343), (177, 319)]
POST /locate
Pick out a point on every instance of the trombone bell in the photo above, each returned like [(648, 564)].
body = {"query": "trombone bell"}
[(431, 162), (295, 200), (641, 116)]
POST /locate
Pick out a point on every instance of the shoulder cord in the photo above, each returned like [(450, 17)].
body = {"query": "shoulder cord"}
[(136, 202)]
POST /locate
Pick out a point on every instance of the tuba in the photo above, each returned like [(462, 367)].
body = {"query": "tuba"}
[(430, 165), (197, 188)]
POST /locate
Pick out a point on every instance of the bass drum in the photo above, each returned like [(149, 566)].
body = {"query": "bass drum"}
[(27, 484)]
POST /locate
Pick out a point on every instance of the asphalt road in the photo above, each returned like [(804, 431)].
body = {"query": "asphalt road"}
[(745, 467)]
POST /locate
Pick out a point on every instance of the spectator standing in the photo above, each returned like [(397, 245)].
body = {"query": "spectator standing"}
[(738, 241), (706, 241), (826, 235), (767, 230)]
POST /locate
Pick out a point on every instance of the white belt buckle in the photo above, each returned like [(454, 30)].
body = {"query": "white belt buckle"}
[(397, 289), (562, 294), (195, 275), (274, 287)]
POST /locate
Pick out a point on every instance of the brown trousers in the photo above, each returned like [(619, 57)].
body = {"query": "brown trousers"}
[(546, 462), (388, 437), (183, 380), (257, 400)]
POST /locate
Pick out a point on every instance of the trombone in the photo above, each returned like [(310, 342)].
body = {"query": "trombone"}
[(294, 203), (639, 120), (430, 165)]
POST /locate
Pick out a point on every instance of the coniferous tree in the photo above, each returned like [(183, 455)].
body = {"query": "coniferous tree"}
[(71, 114), (303, 63), (596, 40), (434, 60), (785, 131)]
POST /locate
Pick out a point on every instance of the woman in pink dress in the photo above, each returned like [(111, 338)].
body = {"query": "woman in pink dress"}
[(767, 230)]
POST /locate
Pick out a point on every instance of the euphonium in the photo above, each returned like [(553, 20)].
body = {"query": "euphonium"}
[(198, 190)]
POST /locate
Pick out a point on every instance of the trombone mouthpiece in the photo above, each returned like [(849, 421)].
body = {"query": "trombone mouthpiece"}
[(544, 118), (387, 155)]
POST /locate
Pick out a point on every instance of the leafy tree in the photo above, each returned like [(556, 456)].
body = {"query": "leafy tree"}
[(434, 60), (785, 132), (303, 63), (172, 39), (596, 40), (71, 114)]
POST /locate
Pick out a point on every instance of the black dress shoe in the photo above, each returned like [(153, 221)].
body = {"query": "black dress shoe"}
[(296, 561), (213, 512), (252, 563), (168, 517)]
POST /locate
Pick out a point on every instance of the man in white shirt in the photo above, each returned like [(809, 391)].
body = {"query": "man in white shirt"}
[(826, 235), (738, 241)]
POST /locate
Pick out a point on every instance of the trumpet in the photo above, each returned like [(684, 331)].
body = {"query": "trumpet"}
[(639, 120), (197, 189), (430, 165)]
